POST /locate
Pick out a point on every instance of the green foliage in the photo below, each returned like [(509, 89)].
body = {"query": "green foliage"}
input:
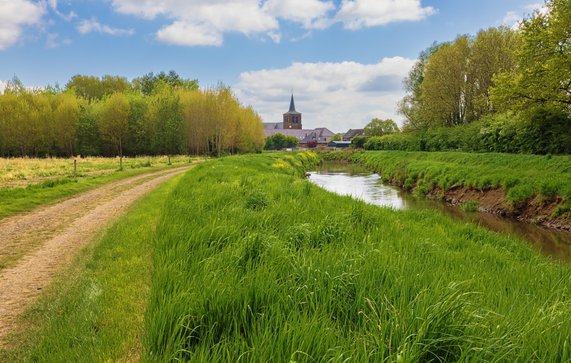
[(378, 127), (538, 131), (280, 141), (164, 114), (94, 88), (543, 75), (450, 83), (358, 142), (149, 83)]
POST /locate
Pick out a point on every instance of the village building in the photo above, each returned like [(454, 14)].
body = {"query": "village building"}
[(292, 126)]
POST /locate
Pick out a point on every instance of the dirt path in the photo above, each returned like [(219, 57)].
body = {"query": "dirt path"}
[(35, 246)]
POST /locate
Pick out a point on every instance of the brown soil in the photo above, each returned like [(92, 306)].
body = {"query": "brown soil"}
[(536, 210), (36, 245)]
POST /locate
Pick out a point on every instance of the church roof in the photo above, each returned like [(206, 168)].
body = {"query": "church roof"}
[(292, 107)]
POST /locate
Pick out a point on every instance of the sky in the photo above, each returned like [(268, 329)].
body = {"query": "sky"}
[(344, 60)]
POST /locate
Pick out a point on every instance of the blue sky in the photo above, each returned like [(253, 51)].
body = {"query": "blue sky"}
[(344, 59)]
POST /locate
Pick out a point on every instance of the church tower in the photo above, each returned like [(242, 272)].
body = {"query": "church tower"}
[(292, 118)]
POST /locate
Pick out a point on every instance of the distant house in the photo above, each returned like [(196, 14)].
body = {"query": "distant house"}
[(291, 126), (349, 135)]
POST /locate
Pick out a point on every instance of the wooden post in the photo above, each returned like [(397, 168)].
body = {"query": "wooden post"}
[(75, 168)]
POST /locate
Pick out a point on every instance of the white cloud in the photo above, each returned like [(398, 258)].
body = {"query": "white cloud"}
[(338, 96), (69, 17), (310, 13), (356, 14), (14, 16), (3, 85), (204, 22), (92, 25)]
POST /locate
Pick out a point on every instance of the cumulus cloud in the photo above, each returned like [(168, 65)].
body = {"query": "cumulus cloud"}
[(204, 22), (310, 13), (338, 96), (14, 16), (357, 14), (92, 25)]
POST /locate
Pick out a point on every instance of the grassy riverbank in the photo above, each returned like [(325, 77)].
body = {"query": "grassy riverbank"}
[(252, 262), (26, 183), (535, 182)]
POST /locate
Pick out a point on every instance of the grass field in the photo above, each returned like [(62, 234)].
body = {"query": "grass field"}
[(250, 262), (27, 183), (21, 172)]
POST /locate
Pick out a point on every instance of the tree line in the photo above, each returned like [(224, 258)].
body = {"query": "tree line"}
[(505, 90), (154, 114)]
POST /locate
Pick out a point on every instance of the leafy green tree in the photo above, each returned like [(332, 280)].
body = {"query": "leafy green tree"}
[(149, 82), (378, 127), (66, 121), (280, 141), (359, 141), (543, 73), (337, 137), (95, 88), (114, 122), (166, 115)]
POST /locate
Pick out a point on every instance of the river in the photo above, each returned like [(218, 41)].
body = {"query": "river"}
[(353, 180)]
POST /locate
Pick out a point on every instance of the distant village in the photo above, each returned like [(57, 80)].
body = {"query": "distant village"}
[(308, 138)]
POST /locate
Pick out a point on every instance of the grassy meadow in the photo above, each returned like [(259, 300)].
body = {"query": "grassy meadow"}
[(27, 182), (242, 259)]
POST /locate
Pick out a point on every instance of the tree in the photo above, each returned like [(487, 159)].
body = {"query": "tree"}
[(149, 82), (337, 137), (543, 74), (66, 121), (114, 122), (280, 141), (359, 141), (165, 114), (378, 127), (409, 106), (95, 88)]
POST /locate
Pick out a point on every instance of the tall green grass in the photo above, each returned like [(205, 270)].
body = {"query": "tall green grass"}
[(253, 263)]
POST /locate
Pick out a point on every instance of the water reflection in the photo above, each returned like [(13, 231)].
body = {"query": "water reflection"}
[(347, 179)]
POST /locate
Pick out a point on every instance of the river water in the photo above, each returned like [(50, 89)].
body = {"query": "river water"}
[(347, 179)]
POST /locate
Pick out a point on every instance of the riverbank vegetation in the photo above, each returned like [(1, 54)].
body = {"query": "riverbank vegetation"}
[(160, 114), (523, 179), (250, 261), (503, 90)]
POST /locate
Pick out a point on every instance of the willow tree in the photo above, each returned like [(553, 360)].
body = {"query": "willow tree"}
[(66, 121), (114, 122)]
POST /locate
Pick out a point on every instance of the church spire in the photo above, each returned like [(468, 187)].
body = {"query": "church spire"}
[(291, 104)]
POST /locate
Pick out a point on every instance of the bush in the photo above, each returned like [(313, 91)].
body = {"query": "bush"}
[(539, 131)]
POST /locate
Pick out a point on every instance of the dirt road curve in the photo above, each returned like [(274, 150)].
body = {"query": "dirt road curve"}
[(35, 246)]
